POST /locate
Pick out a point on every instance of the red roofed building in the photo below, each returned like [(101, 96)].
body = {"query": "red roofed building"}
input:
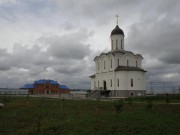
[(46, 87)]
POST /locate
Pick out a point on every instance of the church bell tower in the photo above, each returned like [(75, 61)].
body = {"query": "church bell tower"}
[(117, 38)]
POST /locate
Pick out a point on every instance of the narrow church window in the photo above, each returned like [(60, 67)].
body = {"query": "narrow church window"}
[(136, 63), (111, 63), (98, 65), (116, 44), (121, 44), (127, 62), (118, 82), (111, 82), (131, 82), (104, 64), (98, 84), (118, 62)]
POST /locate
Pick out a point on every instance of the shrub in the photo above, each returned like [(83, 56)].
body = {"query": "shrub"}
[(118, 105)]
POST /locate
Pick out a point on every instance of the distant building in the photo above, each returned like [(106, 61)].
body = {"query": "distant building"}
[(11, 91), (46, 87), (119, 73)]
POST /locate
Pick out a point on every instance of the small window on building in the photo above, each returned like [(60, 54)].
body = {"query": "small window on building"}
[(116, 44), (104, 64), (118, 82), (131, 82), (98, 65), (127, 62), (111, 63), (98, 84), (136, 63), (118, 62), (94, 84), (111, 82)]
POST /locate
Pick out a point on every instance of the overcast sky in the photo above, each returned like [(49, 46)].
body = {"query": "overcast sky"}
[(58, 39)]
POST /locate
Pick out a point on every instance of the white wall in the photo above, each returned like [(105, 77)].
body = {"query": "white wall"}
[(124, 80)]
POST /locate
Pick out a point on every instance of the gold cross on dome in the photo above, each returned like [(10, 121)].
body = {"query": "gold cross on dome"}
[(117, 19)]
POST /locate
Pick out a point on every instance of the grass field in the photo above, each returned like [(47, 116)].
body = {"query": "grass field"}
[(44, 116)]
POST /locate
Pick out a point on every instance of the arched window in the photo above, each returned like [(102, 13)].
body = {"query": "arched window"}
[(118, 82), (127, 62), (131, 82), (104, 64), (121, 44), (111, 63), (116, 44), (136, 63), (98, 65)]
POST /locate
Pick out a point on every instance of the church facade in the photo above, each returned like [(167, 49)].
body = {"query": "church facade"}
[(119, 73)]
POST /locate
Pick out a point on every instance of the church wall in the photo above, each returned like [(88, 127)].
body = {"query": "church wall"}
[(123, 60), (98, 81), (127, 93), (131, 59), (125, 80), (138, 79), (139, 61), (92, 83), (122, 76), (110, 63)]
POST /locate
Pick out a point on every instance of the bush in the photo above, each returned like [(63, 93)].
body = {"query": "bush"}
[(118, 105)]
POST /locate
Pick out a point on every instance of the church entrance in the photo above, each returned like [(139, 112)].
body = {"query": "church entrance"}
[(104, 85)]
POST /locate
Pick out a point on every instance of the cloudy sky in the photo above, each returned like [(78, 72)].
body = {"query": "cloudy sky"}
[(58, 39)]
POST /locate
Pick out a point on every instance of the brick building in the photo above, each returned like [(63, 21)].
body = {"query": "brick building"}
[(46, 87)]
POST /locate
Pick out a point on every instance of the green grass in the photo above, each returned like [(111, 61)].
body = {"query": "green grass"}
[(44, 116)]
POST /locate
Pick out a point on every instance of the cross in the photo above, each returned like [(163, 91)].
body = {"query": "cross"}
[(117, 18)]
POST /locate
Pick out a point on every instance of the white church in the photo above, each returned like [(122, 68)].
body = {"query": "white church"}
[(119, 73)]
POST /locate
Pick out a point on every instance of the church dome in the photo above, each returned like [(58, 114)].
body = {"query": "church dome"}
[(117, 31)]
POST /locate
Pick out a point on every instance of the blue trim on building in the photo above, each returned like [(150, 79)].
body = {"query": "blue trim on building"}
[(46, 81), (64, 87)]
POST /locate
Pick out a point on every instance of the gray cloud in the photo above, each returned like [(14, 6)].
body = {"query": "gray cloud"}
[(52, 57), (68, 46)]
